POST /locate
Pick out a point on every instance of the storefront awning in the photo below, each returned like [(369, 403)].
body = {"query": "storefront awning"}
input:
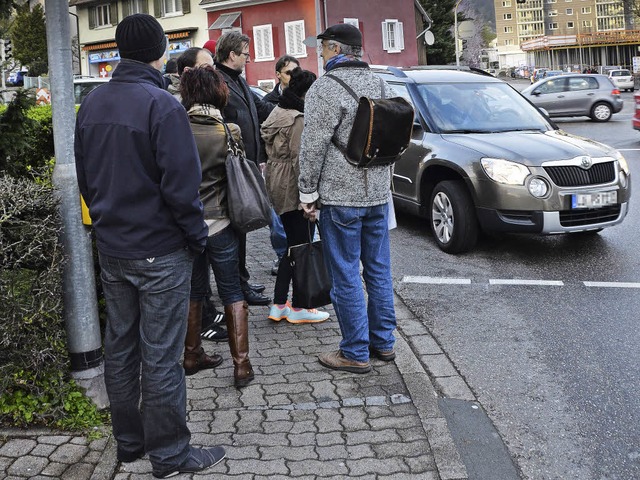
[(225, 20)]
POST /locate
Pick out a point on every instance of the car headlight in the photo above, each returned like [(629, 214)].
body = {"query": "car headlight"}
[(505, 171), (624, 166), (538, 187)]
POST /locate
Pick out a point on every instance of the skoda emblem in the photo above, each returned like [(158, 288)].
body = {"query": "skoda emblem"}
[(585, 162)]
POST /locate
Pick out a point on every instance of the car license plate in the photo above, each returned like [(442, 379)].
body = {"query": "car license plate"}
[(594, 200)]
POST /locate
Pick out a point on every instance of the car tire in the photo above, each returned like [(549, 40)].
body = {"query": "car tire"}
[(601, 112), (454, 224)]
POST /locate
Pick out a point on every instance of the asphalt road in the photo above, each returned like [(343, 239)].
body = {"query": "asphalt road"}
[(544, 330)]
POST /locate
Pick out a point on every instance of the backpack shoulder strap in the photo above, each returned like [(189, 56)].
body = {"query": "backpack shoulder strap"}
[(344, 85)]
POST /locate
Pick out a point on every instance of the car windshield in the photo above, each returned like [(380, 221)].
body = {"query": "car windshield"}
[(479, 107)]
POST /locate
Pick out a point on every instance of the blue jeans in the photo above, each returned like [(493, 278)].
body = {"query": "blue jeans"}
[(277, 235), (351, 235), (221, 253), (147, 306)]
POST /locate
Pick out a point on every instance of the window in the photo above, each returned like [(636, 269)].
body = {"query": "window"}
[(508, 29), (263, 43), (587, 23), (352, 21), (267, 84), (586, 10), (586, 83), (392, 36), (129, 7), (506, 3), (570, 25), (551, 1), (507, 16), (103, 15), (294, 36), (171, 7), (508, 42), (553, 13), (569, 11), (553, 26)]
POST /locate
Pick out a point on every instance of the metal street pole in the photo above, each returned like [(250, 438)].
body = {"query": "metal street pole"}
[(455, 32), (80, 303)]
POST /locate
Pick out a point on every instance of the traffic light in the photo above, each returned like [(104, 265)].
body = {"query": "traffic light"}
[(8, 50)]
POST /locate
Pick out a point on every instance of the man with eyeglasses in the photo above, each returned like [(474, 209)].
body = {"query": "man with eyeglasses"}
[(246, 110), (353, 218), (284, 65)]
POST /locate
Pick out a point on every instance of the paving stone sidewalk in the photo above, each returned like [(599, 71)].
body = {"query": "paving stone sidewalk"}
[(297, 419)]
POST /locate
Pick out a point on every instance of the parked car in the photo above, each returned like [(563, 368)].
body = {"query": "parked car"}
[(623, 79), (258, 91), (483, 158), (83, 85), (16, 79), (537, 74), (575, 95)]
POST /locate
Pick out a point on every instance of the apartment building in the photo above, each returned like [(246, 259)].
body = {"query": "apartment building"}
[(565, 34)]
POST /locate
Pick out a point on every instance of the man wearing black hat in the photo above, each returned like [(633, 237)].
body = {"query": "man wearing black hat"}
[(353, 217), (139, 171)]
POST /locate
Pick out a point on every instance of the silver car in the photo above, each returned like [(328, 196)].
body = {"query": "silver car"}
[(576, 95)]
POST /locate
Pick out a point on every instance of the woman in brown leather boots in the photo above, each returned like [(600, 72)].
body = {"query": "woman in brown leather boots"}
[(204, 94)]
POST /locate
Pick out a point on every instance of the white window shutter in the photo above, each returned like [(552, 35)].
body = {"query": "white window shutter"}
[(400, 36), (385, 36), (290, 36), (299, 48)]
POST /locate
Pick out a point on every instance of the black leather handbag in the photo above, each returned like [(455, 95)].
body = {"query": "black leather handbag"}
[(310, 278), (249, 207)]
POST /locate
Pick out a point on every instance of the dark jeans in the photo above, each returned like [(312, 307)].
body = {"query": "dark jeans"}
[(221, 253), (242, 259), (147, 305), (298, 230)]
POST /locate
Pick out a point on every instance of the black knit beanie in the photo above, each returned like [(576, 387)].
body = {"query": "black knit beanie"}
[(140, 37)]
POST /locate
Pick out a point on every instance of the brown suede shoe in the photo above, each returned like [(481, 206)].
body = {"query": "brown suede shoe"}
[(384, 355), (337, 361)]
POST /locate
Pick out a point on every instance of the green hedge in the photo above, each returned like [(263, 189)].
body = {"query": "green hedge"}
[(35, 383)]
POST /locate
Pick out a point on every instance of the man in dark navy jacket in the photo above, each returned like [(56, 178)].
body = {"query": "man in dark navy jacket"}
[(139, 172)]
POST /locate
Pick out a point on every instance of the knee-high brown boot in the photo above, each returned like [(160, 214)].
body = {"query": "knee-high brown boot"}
[(237, 316), (194, 357)]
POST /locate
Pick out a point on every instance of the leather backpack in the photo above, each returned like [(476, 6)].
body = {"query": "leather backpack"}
[(381, 130)]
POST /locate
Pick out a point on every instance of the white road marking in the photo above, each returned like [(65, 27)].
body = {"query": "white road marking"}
[(612, 284), (515, 281), (436, 280)]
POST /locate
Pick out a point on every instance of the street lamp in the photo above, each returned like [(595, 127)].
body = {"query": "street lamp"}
[(455, 31)]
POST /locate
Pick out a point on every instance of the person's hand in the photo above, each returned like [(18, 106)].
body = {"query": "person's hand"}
[(263, 168), (310, 211)]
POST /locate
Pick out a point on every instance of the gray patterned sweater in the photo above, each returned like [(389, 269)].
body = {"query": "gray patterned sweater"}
[(325, 174)]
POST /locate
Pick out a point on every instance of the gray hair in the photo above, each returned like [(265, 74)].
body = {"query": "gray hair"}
[(230, 42), (350, 50)]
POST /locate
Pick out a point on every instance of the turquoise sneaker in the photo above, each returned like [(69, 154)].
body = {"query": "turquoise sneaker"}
[(304, 315), (277, 313)]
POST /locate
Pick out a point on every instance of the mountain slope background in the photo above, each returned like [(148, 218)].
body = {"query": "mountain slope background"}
[(485, 9)]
